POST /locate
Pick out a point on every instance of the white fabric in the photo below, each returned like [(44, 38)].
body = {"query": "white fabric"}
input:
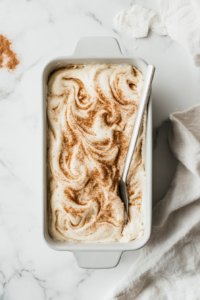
[(137, 21), (169, 265), (182, 20)]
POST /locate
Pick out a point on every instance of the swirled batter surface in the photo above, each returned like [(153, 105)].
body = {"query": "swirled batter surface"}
[(91, 112)]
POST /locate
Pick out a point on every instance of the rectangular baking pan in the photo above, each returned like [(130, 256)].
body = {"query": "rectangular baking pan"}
[(98, 255)]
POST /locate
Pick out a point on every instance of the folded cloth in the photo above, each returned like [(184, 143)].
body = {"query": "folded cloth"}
[(182, 20), (137, 21), (169, 265)]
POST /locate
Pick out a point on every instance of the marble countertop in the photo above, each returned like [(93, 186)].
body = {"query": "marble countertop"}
[(39, 30)]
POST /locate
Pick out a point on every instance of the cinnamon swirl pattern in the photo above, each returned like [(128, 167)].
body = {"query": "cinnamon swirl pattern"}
[(91, 112)]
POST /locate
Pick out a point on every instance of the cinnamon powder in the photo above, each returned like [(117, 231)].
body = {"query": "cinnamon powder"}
[(6, 51)]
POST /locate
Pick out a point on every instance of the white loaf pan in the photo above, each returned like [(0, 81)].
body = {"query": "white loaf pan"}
[(99, 255)]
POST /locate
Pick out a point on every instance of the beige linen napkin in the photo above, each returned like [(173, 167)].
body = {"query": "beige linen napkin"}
[(169, 265)]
